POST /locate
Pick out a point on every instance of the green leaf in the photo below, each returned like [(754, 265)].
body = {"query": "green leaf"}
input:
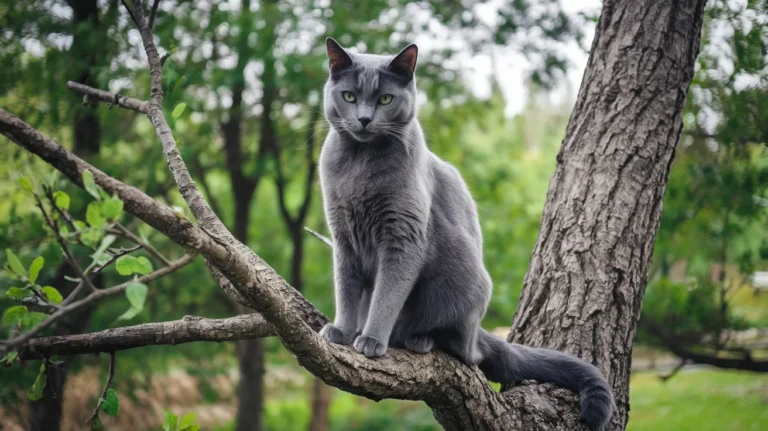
[(179, 82), (61, 199), (14, 314), (94, 215), (32, 319), (137, 294), (170, 421), (92, 237), (111, 404), (17, 293), (112, 208), (105, 243), (35, 393), (188, 422), (15, 263), (52, 294), (129, 314), (26, 183), (127, 265), (35, 267), (144, 266), (90, 184), (178, 110), (10, 357)]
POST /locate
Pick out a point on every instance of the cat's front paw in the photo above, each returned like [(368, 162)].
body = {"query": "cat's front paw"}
[(334, 334), (370, 346)]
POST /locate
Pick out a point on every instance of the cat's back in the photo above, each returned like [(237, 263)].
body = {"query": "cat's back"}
[(453, 206)]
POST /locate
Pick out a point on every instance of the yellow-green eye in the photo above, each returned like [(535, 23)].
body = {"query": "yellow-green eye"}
[(349, 97), (385, 99)]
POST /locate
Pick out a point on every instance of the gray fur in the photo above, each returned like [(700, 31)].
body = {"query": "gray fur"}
[(408, 255)]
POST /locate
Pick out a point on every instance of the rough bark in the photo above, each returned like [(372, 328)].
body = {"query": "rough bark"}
[(188, 329), (583, 290), (584, 287)]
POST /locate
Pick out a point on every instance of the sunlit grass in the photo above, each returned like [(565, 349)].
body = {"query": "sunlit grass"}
[(699, 400)]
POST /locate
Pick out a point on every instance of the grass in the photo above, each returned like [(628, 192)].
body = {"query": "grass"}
[(700, 400)]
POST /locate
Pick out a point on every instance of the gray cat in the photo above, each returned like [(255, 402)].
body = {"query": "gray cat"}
[(408, 252)]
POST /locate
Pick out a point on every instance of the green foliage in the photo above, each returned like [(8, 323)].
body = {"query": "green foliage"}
[(111, 405), (13, 315), (62, 199), (171, 422), (178, 110), (90, 185), (52, 294), (127, 265), (35, 393), (15, 264), (35, 267)]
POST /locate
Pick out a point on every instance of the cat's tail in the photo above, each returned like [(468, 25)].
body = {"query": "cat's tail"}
[(508, 363)]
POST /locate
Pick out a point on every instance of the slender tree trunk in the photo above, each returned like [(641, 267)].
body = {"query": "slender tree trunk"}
[(45, 415), (584, 287), (321, 401)]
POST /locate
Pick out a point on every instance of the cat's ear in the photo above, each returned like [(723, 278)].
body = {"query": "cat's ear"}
[(404, 64), (338, 59)]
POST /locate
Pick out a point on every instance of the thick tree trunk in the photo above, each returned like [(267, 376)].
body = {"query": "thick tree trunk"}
[(584, 287)]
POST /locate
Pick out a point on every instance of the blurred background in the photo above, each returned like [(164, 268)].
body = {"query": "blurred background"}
[(497, 80)]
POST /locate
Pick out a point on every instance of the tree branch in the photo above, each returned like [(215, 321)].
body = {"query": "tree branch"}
[(112, 98), (188, 329), (91, 422), (122, 231), (153, 13), (91, 299), (327, 241)]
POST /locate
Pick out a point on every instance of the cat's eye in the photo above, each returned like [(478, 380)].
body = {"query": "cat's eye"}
[(385, 99), (349, 97)]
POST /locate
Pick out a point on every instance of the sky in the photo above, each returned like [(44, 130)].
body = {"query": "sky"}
[(512, 68)]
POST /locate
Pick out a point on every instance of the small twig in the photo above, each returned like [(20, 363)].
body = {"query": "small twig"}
[(200, 172), (112, 98), (152, 14), (65, 215), (151, 250), (94, 297), (665, 377), (64, 246), (92, 420), (320, 236), (165, 58), (130, 11)]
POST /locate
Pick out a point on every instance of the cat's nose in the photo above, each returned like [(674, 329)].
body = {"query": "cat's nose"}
[(364, 121)]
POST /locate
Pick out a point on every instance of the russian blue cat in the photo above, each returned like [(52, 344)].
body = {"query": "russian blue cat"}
[(408, 251)]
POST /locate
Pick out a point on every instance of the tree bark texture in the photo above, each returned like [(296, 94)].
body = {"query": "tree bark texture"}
[(585, 283)]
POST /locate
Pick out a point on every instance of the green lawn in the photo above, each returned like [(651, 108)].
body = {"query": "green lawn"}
[(699, 400), (694, 399)]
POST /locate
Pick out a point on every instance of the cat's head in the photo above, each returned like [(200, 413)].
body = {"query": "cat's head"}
[(368, 96)]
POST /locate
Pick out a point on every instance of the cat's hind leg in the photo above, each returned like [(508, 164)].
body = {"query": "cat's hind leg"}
[(419, 343)]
